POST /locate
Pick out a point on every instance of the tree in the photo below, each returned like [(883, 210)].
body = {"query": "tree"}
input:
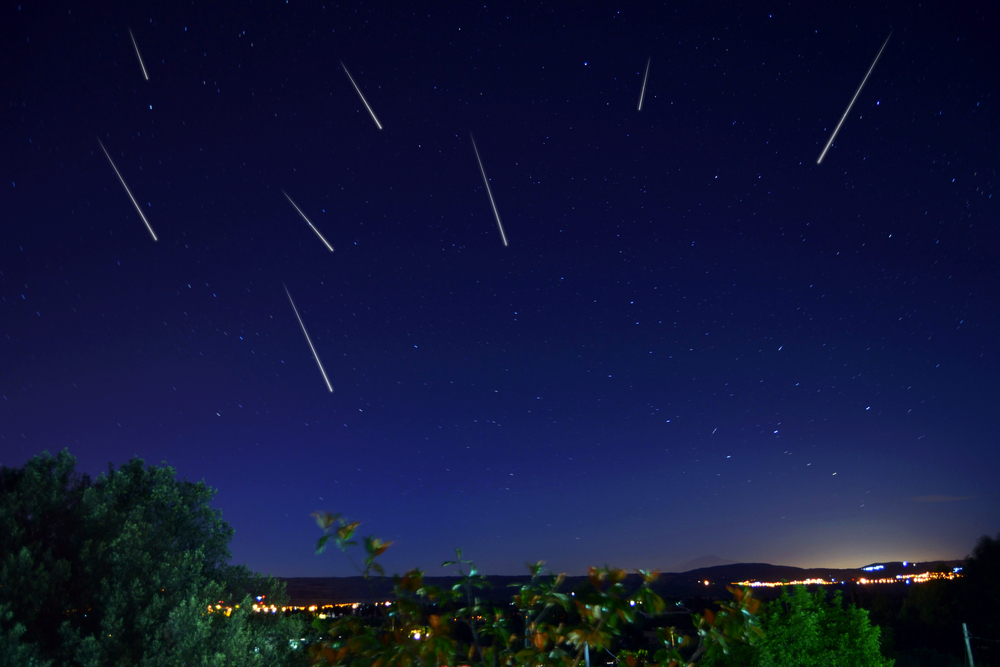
[(981, 589), (121, 570), (803, 629), (14, 652)]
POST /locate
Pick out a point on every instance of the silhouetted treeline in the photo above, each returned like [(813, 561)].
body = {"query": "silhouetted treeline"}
[(922, 624)]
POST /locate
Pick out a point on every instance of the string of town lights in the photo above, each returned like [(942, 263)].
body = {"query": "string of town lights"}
[(920, 578), (324, 610)]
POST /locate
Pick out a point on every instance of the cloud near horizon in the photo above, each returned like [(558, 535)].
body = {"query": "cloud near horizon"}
[(939, 499)]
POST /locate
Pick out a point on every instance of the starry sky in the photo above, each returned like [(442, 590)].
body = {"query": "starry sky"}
[(698, 342)]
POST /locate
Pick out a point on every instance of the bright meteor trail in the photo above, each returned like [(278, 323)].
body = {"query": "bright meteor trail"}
[(377, 124), (308, 340), (488, 191), (138, 55), (856, 93), (644, 77), (308, 222), (125, 185)]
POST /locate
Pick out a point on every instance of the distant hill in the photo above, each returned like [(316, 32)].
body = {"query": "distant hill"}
[(305, 591), (703, 561)]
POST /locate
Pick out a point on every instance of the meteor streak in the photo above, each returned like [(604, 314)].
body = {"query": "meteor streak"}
[(377, 124), (125, 185), (856, 93), (644, 77), (308, 340), (138, 55), (488, 191), (308, 222)]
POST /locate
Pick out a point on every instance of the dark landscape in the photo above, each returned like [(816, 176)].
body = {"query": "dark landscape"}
[(306, 591)]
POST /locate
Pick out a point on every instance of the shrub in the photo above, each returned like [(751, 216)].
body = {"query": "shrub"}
[(802, 628), (546, 626)]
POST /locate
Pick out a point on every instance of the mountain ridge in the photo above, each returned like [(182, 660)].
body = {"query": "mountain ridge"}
[(305, 591)]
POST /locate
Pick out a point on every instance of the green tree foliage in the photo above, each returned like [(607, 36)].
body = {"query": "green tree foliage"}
[(928, 627), (546, 626), (122, 570), (14, 652), (802, 629), (981, 589)]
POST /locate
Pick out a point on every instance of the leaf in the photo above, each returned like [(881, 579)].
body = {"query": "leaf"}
[(324, 519), (375, 547), (535, 568), (649, 576), (346, 530), (411, 581)]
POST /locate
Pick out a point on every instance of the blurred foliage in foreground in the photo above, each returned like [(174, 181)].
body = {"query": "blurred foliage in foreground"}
[(547, 626), (123, 570)]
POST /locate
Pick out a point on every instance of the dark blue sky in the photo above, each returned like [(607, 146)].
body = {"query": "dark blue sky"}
[(698, 341)]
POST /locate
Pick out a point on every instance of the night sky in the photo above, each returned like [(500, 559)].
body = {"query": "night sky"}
[(698, 342)]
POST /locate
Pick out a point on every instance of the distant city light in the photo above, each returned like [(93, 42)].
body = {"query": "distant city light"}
[(898, 579)]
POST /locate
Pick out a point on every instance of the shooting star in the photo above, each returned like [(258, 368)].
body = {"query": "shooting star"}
[(138, 55), (856, 93), (308, 222), (488, 191), (644, 78), (125, 185), (308, 340), (377, 124)]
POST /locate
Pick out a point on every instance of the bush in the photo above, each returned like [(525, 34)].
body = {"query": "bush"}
[(546, 626), (802, 628)]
